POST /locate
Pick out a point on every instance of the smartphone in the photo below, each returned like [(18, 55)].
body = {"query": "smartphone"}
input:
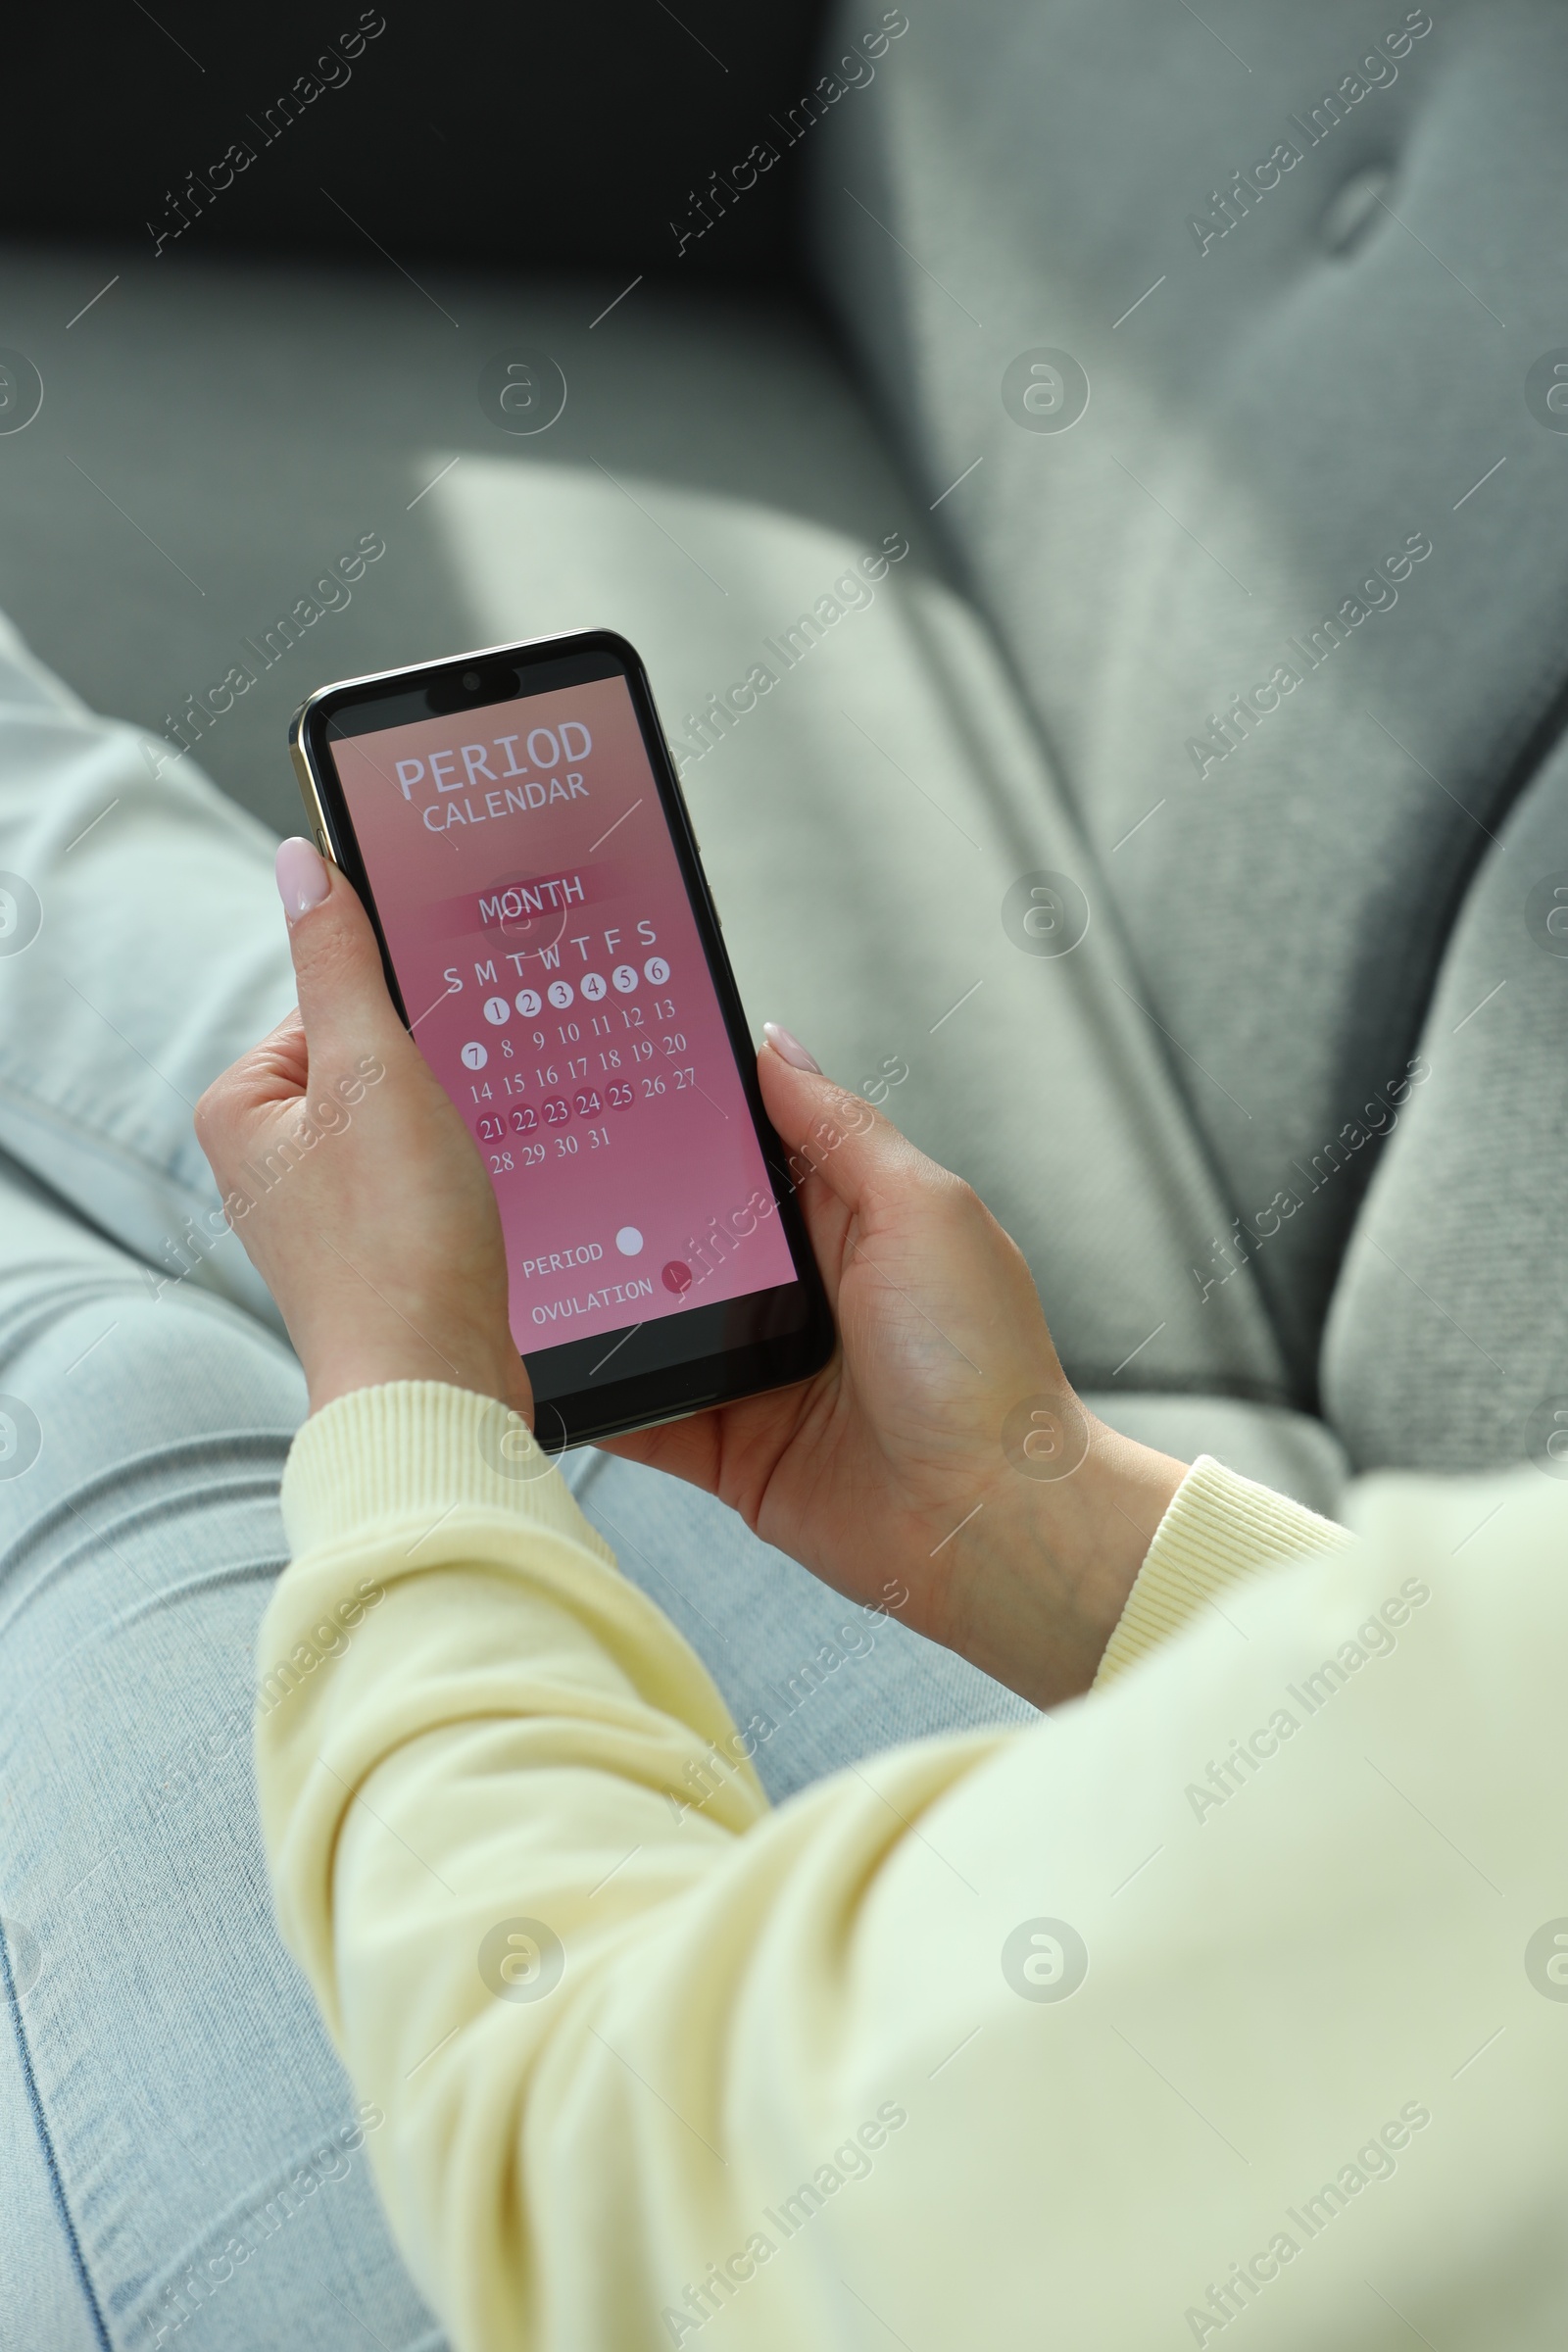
[(513, 825)]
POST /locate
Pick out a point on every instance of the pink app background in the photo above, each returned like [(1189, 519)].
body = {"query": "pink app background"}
[(520, 850)]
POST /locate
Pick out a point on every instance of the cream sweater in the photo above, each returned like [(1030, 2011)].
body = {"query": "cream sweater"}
[(1232, 1997)]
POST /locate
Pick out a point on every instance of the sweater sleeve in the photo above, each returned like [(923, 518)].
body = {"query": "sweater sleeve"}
[(1089, 2033), (1218, 1529)]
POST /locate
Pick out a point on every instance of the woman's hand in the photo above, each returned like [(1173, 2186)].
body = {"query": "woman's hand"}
[(350, 1177), (941, 1453), (942, 1444)]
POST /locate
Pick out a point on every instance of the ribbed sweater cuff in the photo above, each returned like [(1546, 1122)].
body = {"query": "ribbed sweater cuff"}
[(418, 1448), (1218, 1529)]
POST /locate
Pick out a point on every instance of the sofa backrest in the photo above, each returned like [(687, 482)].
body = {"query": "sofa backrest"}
[(1288, 596)]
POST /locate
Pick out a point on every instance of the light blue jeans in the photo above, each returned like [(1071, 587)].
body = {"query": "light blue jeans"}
[(182, 2157)]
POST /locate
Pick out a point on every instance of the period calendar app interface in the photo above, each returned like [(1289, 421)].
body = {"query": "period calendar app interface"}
[(555, 982)]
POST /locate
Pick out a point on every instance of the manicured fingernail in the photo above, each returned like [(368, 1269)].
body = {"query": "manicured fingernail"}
[(790, 1049), (302, 877)]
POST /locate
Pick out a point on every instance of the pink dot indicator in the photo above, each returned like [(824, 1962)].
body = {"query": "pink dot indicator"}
[(677, 1277)]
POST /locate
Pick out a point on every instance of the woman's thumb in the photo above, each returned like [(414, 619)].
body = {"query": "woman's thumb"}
[(337, 963), (825, 1130)]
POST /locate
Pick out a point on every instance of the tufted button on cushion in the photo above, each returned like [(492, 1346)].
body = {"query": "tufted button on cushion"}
[(1356, 209)]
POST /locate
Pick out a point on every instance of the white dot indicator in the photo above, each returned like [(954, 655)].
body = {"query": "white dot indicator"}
[(497, 1011), (656, 970), (592, 986), (561, 994), (527, 1003), (475, 1055), (624, 976), (628, 1241)]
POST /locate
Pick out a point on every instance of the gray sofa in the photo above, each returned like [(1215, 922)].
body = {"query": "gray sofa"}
[(1156, 555)]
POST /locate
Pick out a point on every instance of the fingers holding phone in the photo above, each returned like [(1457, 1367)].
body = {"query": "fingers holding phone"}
[(902, 1455), (350, 1181)]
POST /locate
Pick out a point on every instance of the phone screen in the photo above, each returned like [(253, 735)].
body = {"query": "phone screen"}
[(554, 976)]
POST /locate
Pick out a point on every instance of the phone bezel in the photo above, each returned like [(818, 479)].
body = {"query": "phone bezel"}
[(720, 1374)]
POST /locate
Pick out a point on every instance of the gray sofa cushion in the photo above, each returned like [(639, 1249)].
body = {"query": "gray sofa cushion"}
[(1292, 400), (1448, 1346)]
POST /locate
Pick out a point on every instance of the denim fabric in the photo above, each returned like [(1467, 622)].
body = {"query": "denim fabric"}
[(197, 2167)]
